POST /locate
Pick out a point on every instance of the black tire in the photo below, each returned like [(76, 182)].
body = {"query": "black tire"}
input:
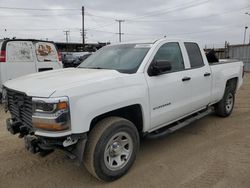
[(98, 141), (222, 108)]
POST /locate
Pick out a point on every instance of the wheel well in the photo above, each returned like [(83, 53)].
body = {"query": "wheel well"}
[(232, 83), (132, 113)]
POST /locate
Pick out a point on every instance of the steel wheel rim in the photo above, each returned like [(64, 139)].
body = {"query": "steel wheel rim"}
[(229, 102), (118, 151)]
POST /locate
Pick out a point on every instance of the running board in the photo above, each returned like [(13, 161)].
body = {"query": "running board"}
[(178, 125)]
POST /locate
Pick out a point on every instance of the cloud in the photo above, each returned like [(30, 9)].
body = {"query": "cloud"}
[(210, 22)]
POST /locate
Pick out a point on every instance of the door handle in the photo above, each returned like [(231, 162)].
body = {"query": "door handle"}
[(44, 69), (186, 79), (207, 74)]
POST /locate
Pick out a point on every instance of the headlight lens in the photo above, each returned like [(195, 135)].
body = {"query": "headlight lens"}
[(51, 114), (44, 107)]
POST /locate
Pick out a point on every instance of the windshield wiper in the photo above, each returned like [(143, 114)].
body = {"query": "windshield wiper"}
[(92, 67), (96, 68)]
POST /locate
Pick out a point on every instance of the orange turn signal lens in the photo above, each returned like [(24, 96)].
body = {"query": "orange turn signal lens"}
[(62, 105), (50, 127)]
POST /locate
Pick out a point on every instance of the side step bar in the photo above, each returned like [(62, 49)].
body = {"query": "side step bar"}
[(178, 125)]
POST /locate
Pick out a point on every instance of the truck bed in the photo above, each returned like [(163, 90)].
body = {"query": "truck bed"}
[(223, 61)]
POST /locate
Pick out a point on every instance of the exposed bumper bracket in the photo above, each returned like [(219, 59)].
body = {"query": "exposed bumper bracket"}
[(13, 127), (31, 144)]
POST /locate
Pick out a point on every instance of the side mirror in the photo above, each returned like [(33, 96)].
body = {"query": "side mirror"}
[(159, 67)]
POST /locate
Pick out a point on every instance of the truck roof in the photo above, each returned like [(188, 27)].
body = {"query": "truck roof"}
[(156, 40)]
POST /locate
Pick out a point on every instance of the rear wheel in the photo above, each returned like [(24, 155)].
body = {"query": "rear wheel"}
[(111, 148), (225, 107)]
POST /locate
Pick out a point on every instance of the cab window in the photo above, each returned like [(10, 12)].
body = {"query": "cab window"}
[(171, 52), (194, 54)]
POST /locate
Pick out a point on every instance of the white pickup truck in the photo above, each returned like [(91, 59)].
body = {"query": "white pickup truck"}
[(97, 112)]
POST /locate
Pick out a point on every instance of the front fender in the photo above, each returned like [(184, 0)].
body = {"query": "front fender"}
[(86, 108)]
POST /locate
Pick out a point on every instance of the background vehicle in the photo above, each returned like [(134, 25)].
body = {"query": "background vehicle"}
[(80, 59), (98, 111), (19, 57), (67, 59), (74, 59)]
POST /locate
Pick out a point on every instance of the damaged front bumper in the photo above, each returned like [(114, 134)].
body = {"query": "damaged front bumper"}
[(73, 145)]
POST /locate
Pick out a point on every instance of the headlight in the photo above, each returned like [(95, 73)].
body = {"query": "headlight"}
[(51, 114), (50, 108)]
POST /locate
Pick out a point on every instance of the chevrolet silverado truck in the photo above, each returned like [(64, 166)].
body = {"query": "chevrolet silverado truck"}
[(98, 112)]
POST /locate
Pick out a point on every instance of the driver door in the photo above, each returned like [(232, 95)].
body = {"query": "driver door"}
[(169, 93)]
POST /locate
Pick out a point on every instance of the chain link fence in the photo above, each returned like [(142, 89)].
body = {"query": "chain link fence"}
[(240, 52)]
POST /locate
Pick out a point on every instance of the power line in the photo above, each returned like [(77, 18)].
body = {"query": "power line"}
[(102, 31), (188, 33), (41, 29), (98, 16), (129, 20), (187, 6), (97, 24), (193, 18), (132, 34), (39, 15), (174, 34), (39, 9), (101, 26), (161, 11)]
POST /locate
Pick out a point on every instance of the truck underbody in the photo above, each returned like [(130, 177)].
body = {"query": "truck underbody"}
[(74, 145)]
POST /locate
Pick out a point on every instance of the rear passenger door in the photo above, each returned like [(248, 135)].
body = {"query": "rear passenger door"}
[(201, 78), (20, 59), (46, 57)]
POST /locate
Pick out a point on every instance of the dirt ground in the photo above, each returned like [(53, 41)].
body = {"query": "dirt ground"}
[(212, 152)]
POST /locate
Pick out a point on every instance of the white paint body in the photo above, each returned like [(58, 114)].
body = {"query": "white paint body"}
[(94, 92), (26, 57)]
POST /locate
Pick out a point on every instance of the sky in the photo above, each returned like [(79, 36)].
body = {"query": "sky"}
[(210, 22)]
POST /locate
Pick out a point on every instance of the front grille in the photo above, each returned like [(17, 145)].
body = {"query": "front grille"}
[(20, 107)]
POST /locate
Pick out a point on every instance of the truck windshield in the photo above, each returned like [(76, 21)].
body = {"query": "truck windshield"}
[(125, 58)]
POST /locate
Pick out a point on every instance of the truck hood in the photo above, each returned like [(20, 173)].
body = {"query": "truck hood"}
[(46, 83)]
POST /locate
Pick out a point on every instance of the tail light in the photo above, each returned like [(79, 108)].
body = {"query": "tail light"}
[(60, 56), (2, 56)]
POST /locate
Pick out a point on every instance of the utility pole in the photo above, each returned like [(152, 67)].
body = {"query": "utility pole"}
[(226, 50), (83, 32), (249, 33), (5, 32), (67, 35), (120, 29), (244, 41)]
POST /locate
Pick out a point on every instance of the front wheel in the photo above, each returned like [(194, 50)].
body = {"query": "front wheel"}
[(225, 107), (111, 148)]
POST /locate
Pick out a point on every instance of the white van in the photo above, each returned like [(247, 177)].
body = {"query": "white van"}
[(19, 57)]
